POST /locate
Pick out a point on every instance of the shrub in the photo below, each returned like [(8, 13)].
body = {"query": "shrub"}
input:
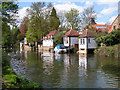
[(58, 38), (110, 39)]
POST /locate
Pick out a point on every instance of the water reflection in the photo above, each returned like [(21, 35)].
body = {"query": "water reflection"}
[(47, 59), (64, 70), (83, 61)]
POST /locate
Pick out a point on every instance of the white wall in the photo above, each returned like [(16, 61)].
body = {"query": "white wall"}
[(48, 43), (66, 41), (83, 46), (91, 45)]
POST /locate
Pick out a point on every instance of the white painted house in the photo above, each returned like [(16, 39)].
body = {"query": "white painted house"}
[(71, 38), (48, 39), (87, 42)]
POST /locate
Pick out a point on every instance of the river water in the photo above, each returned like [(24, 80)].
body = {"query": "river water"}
[(52, 70)]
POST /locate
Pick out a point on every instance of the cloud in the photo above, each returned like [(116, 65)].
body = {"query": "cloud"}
[(101, 23), (112, 19), (108, 11), (107, 2), (88, 4), (22, 12), (67, 7)]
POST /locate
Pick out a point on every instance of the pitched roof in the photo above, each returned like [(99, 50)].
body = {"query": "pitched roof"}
[(101, 27), (52, 33), (87, 33), (116, 18), (72, 33)]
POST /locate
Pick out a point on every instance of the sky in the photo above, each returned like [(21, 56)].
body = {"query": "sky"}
[(106, 10)]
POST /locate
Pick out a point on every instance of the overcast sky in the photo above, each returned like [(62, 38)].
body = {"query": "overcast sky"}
[(107, 10)]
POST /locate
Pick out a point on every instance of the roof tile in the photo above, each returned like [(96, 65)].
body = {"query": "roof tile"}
[(87, 33), (72, 33)]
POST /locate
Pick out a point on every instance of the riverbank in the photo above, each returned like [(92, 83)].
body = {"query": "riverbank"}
[(108, 51), (10, 79)]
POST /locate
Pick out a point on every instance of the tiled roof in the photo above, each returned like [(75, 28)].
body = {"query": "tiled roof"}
[(101, 27), (72, 33), (86, 33), (52, 33)]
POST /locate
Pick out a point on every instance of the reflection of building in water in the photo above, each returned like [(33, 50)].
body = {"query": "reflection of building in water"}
[(66, 62), (47, 58), (83, 65), (26, 54), (65, 58), (83, 61), (58, 57)]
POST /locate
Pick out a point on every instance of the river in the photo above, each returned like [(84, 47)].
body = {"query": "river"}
[(73, 70)]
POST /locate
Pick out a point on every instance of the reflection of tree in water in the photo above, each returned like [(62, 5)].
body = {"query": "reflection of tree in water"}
[(110, 66), (112, 69)]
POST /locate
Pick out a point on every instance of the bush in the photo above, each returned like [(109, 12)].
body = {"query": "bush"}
[(58, 38), (110, 39)]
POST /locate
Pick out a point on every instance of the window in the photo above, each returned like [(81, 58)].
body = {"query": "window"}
[(114, 27), (82, 41)]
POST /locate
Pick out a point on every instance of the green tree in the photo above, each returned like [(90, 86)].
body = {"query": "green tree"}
[(54, 20), (58, 38), (38, 22), (9, 10), (73, 18)]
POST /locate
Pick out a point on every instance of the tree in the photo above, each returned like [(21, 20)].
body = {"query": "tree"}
[(88, 16), (9, 9), (38, 22), (24, 25), (58, 38), (73, 18), (54, 20), (61, 16)]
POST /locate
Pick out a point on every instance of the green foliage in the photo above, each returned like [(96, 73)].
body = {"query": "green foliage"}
[(58, 38), (110, 39), (6, 35), (39, 21), (108, 51), (7, 18), (73, 18), (5, 63), (54, 20), (10, 80), (7, 8)]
